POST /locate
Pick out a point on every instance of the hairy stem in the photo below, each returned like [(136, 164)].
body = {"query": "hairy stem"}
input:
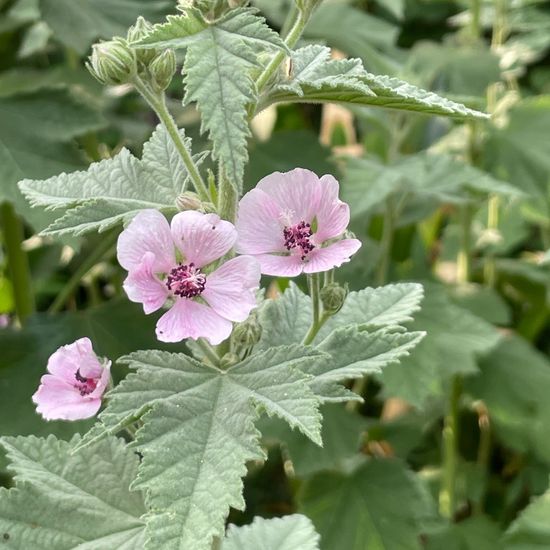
[(105, 246), (227, 200), (447, 494), (299, 21), (157, 102), (18, 263), (318, 319)]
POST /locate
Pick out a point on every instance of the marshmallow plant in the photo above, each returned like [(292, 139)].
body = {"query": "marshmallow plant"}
[(165, 461)]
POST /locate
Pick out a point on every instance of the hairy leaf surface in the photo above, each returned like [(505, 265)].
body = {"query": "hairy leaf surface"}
[(64, 500), (199, 432)]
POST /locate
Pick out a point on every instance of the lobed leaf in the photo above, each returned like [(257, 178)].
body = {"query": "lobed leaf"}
[(198, 432), (295, 532), (317, 82), (62, 500), (218, 62), (114, 189)]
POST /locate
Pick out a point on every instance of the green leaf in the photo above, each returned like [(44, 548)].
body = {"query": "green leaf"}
[(78, 23), (341, 435), (286, 319), (380, 505), (438, 178), (218, 62), (454, 340), (531, 529), (35, 137), (474, 533), (294, 532), (355, 353), (113, 190), (63, 500), (317, 83), (199, 432)]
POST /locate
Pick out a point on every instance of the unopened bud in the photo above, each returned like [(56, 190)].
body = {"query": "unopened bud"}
[(333, 297), (162, 69), (248, 333), (140, 30), (188, 201), (112, 62)]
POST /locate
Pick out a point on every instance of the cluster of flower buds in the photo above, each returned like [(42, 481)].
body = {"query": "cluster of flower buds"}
[(117, 61)]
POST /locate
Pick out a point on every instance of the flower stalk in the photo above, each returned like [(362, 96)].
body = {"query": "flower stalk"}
[(18, 263), (157, 102)]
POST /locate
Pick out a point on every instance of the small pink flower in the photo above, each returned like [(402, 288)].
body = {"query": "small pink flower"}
[(293, 222), (75, 385), (170, 263), (4, 320)]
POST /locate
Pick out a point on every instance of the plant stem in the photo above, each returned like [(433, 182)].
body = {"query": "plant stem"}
[(386, 243), (106, 245), (475, 26), (227, 200), (484, 449), (157, 102), (447, 494), (318, 320), (18, 263), (464, 254), (209, 351), (300, 19)]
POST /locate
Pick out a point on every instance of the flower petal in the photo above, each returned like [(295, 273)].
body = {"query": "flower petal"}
[(189, 319), (66, 360), (144, 287), (323, 259), (202, 238), (280, 266), (148, 232), (296, 192), (103, 381), (58, 400), (230, 290), (333, 214), (259, 224)]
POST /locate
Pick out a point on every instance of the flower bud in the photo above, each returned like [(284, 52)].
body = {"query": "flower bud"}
[(140, 30), (247, 334), (162, 69), (188, 201), (112, 62), (333, 297)]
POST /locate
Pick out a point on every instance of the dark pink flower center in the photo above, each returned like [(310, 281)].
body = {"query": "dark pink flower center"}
[(84, 385), (186, 281), (298, 236)]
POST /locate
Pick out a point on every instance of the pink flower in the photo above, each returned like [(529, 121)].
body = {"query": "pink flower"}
[(170, 263), (293, 222), (75, 385)]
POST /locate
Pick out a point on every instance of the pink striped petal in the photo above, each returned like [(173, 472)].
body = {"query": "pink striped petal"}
[(280, 266), (259, 224), (56, 399), (323, 259), (148, 232), (144, 287), (189, 319), (202, 238), (333, 214), (296, 192), (230, 290)]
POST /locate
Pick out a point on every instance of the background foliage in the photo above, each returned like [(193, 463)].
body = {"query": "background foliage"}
[(450, 448)]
